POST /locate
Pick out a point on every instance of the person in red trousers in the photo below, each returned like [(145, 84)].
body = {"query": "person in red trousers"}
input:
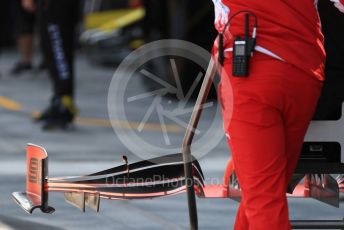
[(266, 114)]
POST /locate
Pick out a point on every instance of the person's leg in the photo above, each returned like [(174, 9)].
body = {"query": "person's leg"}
[(48, 56), (24, 32), (241, 221), (258, 146), (303, 92), (25, 43), (60, 16), (256, 137), (58, 20)]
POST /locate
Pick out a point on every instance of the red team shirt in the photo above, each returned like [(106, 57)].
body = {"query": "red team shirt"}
[(289, 30)]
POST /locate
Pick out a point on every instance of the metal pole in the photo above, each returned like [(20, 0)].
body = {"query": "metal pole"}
[(317, 224), (190, 191), (187, 157)]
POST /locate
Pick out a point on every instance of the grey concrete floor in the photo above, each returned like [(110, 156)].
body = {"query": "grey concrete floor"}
[(93, 145)]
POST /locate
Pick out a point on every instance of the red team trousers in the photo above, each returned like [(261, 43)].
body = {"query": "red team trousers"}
[(266, 116)]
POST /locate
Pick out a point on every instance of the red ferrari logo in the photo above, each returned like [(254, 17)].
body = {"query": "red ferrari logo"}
[(34, 171)]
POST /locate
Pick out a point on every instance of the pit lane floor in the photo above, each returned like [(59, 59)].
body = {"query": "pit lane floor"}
[(93, 146)]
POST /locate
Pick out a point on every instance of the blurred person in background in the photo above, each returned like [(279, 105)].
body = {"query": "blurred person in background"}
[(24, 26), (2, 29), (58, 20), (6, 29)]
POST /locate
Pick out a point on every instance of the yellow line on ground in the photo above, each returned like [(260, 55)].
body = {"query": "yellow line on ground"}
[(126, 124), (10, 104), (120, 124), (16, 106)]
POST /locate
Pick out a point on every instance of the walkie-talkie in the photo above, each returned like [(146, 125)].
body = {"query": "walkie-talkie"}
[(240, 59), (242, 51)]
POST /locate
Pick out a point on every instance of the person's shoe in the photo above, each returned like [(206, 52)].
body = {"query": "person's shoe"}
[(20, 68), (60, 115), (42, 116), (61, 122), (48, 112)]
